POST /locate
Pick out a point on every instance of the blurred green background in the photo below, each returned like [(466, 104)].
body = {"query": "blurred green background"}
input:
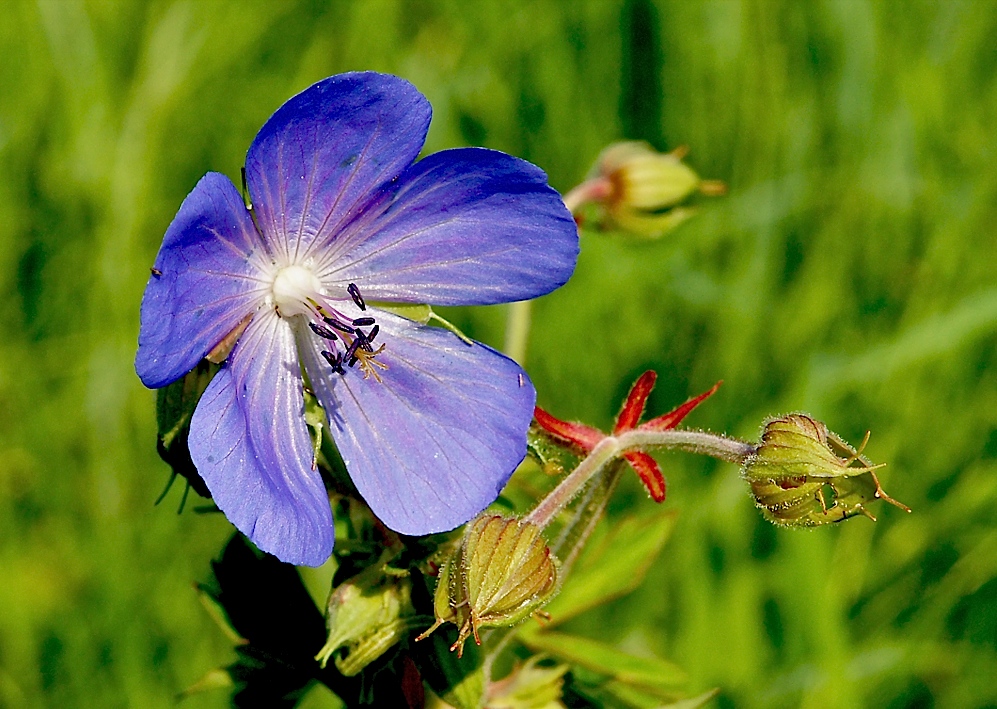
[(850, 273)]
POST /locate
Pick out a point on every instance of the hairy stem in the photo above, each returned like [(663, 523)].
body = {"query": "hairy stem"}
[(729, 449), (612, 447), (589, 191), (548, 508)]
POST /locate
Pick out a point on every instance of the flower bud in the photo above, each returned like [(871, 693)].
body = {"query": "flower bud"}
[(800, 478), (529, 686), (645, 187), (367, 614), (502, 572)]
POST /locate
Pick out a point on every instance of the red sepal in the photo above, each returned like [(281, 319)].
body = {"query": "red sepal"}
[(674, 417), (633, 407), (647, 469), (585, 437)]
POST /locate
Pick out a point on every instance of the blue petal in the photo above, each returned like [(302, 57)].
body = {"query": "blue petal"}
[(205, 280), (321, 157), (249, 442), (433, 443), (465, 227)]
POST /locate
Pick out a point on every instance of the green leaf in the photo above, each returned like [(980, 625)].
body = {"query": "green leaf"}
[(615, 567), (175, 405), (268, 607), (266, 604), (422, 314), (693, 702), (459, 682), (217, 678), (645, 672)]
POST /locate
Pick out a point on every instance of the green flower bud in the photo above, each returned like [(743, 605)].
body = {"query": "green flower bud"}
[(803, 475), (645, 187), (367, 615), (646, 179), (529, 686), (502, 572)]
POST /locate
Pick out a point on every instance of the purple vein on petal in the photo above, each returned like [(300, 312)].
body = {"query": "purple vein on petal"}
[(413, 444), (307, 204), (323, 241)]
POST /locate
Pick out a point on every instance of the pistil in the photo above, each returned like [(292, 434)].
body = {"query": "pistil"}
[(296, 291)]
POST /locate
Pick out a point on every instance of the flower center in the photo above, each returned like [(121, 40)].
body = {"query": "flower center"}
[(294, 288), (296, 291)]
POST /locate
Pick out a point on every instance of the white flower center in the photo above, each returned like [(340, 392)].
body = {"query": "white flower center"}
[(296, 291), (346, 340)]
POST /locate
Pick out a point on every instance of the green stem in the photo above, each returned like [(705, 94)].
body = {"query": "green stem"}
[(586, 515), (517, 330), (519, 314)]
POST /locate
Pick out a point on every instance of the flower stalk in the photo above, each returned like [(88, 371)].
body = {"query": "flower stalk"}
[(612, 447)]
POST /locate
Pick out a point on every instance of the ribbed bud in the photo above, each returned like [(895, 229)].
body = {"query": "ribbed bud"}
[(367, 615), (502, 572), (803, 475)]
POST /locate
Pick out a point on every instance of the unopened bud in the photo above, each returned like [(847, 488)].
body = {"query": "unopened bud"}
[(529, 686), (367, 614), (803, 475), (644, 188), (502, 572)]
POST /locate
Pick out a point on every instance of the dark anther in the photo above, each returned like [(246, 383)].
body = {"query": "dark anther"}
[(364, 340), (335, 361), (373, 333), (351, 352), (339, 326), (324, 333), (355, 294), (359, 322)]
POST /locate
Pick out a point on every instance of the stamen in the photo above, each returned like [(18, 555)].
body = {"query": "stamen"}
[(363, 321), (355, 294), (339, 326), (323, 332), (367, 363), (335, 361), (373, 333), (351, 352), (364, 340)]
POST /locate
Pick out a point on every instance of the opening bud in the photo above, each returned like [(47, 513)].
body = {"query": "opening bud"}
[(366, 615), (529, 686), (501, 572), (803, 475), (641, 189)]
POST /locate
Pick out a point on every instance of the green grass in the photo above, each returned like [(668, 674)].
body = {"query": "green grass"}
[(851, 272)]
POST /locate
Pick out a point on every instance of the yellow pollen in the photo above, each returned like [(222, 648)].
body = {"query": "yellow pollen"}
[(367, 362)]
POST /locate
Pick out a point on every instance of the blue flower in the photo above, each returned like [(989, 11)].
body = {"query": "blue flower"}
[(343, 217)]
